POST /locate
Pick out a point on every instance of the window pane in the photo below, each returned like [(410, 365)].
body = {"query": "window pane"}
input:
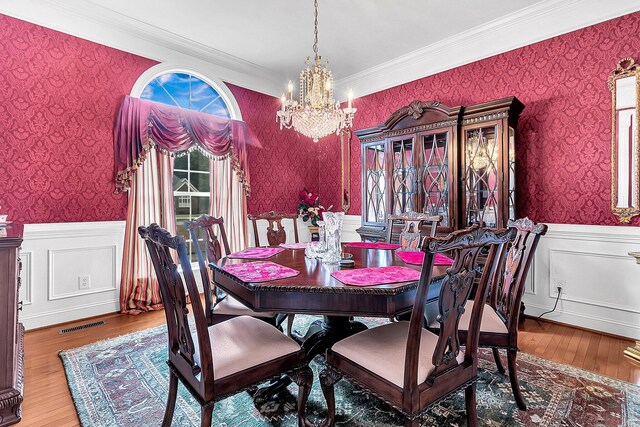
[(200, 182), (199, 162), (181, 181), (181, 162), (199, 205), (155, 92), (177, 84), (202, 95), (183, 213), (217, 108)]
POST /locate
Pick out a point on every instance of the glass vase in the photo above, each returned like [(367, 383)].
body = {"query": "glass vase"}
[(322, 242), (333, 233)]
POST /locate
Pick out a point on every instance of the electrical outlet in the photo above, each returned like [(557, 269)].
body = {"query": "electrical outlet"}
[(84, 282), (560, 283)]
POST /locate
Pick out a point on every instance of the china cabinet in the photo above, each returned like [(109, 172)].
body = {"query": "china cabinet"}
[(456, 162)]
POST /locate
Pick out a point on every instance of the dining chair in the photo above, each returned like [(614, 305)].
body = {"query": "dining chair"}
[(277, 235), (501, 314), (403, 363), (216, 361), (411, 229), (219, 305)]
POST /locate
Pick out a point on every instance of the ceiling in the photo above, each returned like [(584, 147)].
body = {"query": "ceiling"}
[(354, 35), (370, 44)]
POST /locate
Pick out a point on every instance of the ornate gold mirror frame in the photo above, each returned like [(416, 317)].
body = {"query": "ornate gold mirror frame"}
[(345, 177), (624, 84)]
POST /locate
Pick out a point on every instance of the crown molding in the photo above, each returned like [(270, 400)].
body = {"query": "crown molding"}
[(541, 21), (96, 23)]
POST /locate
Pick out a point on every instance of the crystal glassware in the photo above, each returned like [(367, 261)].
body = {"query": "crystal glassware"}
[(333, 230), (322, 242), (311, 250)]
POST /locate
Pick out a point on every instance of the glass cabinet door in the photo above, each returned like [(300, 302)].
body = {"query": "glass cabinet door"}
[(403, 176), (375, 183), (435, 180), (481, 192)]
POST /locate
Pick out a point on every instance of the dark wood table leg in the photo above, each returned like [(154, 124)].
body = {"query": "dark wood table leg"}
[(322, 334)]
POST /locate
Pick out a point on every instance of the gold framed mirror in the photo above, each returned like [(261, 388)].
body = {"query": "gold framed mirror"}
[(624, 84), (345, 177)]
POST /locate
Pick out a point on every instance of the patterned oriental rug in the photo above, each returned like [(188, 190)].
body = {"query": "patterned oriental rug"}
[(122, 382)]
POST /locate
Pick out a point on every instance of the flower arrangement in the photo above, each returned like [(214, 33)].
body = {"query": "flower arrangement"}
[(310, 208)]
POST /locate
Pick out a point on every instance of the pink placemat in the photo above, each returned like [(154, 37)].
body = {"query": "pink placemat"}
[(372, 245), (376, 276), (256, 253), (417, 257), (302, 245), (260, 271)]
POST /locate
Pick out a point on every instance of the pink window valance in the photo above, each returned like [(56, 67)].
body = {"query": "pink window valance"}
[(142, 124)]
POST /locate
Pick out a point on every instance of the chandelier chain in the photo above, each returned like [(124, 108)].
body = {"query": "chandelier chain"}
[(315, 26)]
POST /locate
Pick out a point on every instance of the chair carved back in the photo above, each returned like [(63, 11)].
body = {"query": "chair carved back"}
[(204, 226), (410, 236), (507, 287), (182, 349), (465, 245), (276, 235)]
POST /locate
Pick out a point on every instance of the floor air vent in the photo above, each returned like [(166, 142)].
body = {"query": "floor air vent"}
[(81, 327)]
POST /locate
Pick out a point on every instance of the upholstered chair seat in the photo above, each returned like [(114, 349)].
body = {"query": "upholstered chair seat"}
[(382, 350), (243, 342), (490, 322), (229, 306)]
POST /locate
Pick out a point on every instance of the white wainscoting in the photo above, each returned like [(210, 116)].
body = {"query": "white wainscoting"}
[(600, 281), (54, 256)]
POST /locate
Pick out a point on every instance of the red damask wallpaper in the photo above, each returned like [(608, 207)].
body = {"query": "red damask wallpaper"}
[(565, 130), (59, 97), (286, 163)]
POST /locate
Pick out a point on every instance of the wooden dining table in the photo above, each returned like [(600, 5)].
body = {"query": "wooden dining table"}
[(315, 291)]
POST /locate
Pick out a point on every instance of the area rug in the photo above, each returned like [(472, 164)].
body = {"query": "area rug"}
[(122, 382)]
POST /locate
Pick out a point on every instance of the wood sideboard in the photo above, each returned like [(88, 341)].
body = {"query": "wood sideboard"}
[(11, 331)]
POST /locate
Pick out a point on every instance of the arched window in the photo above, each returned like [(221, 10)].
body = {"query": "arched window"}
[(191, 172)]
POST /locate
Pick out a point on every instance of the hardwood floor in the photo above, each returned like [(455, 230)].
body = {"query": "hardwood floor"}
[(47, 401)]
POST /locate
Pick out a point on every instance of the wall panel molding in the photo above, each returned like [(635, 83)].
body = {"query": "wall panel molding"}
[(26, 288), (89, 253), (57, 254), (598, 277)]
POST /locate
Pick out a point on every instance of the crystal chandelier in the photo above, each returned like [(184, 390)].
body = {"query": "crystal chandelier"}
[(316, 114)]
